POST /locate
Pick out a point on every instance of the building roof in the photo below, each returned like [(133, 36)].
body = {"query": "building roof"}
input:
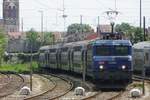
[(92, 36), (14, 35), (105, 28)]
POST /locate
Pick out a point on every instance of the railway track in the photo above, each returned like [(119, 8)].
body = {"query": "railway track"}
[(115, 95), (90, 93), (103, 96), (137, 77), (53, 93), (61, 86), (4, 80), (14, 83)]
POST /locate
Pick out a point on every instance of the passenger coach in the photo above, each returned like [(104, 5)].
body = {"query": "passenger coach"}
[(141, 57)]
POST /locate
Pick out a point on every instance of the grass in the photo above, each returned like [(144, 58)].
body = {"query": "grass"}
[(19, 68)]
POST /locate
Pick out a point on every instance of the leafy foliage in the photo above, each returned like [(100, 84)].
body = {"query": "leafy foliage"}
[(135, 34), (33, 39), (78, 28), (48, 38), (3, 43), (32, 36), (138, 35)]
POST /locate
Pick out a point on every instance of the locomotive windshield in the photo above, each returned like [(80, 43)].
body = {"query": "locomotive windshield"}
[(121, 50), (103, 50), (111, 50)]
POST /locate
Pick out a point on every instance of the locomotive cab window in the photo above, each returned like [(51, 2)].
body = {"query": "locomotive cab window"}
[(103, 50), (121, 50)]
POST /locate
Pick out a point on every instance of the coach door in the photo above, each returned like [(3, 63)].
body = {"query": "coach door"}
[(65, 58), (147, 57), (89, 60), (58, 59), (77, 59), (71, 60)]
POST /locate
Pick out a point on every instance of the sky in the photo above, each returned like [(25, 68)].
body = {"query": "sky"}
[(89, 9)]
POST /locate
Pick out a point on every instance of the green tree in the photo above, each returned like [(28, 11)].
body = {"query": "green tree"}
[(138, 35), (33, 39), (135, 34), (32, 36), (49, 38), (3, 43), (78, 28), (126, 29)]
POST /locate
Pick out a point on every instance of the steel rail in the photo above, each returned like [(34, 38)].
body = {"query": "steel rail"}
[(53, 89), (49, 90), (11, 85)]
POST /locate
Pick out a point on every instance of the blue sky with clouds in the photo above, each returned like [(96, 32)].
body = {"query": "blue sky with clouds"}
[(90, 9)]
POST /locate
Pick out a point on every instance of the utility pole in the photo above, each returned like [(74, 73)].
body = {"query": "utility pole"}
[(115, 5), (98, 20), (144, 28), (31, 65), (98, 28), (22, 25), (81, 19), (42, 26), (81, 24), (64, 17), (143, 80), (144, 66), (83, 67), (53, 38), (140, 14)]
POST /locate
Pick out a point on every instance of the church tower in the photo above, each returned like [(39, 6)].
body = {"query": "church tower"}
[(11, 15)]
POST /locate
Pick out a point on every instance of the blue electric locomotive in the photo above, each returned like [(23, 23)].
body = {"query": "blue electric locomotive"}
[(99, 59), (112, 60)]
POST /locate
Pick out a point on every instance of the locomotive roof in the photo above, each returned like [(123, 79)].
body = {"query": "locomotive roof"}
[(142, 45), (113, 42)]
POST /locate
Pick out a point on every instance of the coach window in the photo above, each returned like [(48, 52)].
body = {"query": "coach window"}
[(65, 49), (78, 48), (52, 50), (146, 56)]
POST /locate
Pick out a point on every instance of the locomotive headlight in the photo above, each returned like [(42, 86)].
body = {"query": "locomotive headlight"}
[(101, 67), (123, 67)]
